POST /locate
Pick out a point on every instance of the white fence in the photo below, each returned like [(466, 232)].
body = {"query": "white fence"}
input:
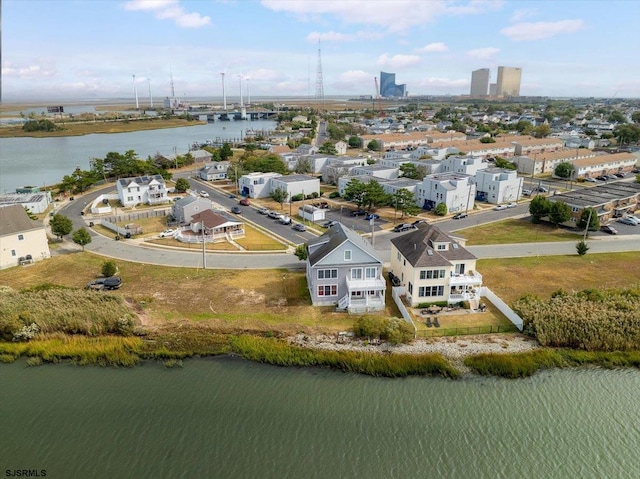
[(396, 292), (502, 306)]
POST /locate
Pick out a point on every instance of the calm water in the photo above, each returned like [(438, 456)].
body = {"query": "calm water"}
[(38, 161), (224, 418)]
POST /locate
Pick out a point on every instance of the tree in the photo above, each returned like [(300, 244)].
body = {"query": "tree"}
[(355, 191), (503, 163), (559, 212), (413, 171), (60, 225), (441, 209), (109, 268), (374, 195), (582, 248), (405, 201), (635, 117), (303, 165), (328, 149), (182, 185), (279, 195), (355, 142), (373, 145), (301, 252), (564, 170), (627, 133), (225, 152), (524, 127), (542, 131), (81, 237), (617, 117), (487, 139), (590, 216), (538, 208)]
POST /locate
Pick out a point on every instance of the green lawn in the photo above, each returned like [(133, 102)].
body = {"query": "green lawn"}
[(516, 231)]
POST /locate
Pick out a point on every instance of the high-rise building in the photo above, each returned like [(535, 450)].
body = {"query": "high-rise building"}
[(388, 87), (479, 82), (508, 83), (493, 89)]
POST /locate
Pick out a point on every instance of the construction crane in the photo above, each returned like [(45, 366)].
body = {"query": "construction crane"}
[(376, 98)]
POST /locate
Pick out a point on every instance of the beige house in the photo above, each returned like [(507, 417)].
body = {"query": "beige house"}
[(434, 267), (22, 240)]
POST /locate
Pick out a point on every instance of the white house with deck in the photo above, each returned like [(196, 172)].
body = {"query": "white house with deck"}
[(150, 190)]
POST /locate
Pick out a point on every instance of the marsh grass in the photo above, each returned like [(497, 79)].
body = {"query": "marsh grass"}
[(280, 353)]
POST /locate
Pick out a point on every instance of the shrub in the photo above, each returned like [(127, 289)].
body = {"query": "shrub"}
[(109, 268), (297, 197), (26, 333), (441, 209), (394, 330), (334, 194)]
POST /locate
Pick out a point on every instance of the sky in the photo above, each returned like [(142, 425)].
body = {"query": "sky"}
[(91, 49)]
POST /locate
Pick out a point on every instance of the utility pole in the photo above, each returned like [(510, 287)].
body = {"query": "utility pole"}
[(204, 256), (586, 228)]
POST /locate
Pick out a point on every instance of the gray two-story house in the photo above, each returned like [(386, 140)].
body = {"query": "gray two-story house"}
[(344, 270)]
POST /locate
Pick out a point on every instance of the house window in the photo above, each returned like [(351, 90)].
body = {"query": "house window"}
[(410, 288), (398, 256), (442, 247), (431, 274), (20, 237), (13, 252), (356, 273), (370, 273), (327, 273), (460, 268), (328, 290), (347, 255), (425, 291)]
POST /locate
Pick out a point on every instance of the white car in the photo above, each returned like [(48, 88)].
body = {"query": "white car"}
[(500, 207), (204, 194), (591, 180), (635, 219), (285, 220), (511, 205), (168, 232)]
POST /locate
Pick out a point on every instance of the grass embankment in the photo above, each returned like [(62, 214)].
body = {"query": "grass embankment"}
[(516, 231), (520, 365), (88, 128)]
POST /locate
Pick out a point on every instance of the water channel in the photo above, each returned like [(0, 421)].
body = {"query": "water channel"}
[(223, 417), (44, 161)]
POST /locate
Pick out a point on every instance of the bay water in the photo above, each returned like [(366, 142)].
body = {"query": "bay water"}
[(44, 161), (229, 418)]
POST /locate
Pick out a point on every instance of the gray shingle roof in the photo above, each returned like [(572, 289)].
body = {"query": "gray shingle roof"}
[(417, 247), (333, 238), (14, 219)]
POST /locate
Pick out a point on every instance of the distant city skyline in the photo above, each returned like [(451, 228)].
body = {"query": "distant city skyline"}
[(63, 49)]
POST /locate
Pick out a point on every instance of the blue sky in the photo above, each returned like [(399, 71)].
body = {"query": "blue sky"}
[(84, 49)]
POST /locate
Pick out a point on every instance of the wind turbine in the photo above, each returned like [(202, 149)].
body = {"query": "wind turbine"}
[(150, 97), (240, 80), (248, 92), (135, 92), (224, 96)]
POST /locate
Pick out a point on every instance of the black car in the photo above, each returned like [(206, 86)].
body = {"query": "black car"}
[(403, 227), (236, 210), (609, 229), (112, 282), (358, 213), (395, 281), (417, 222), (329, 224)]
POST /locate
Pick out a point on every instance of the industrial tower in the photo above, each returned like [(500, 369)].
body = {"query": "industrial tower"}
[(319, 81)]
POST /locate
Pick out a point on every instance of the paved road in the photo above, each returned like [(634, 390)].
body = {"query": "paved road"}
[(137, 251)]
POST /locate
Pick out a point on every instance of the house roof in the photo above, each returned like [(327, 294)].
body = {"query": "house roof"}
[(141, 180), (417, 247), (14, 219), (295, 178), (212, 219), (333, 238)]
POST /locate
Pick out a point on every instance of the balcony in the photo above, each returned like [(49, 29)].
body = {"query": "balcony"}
[(371, 284), (468, 279)]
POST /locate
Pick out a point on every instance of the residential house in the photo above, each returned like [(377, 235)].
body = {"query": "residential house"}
[(498, 185), (377, 171), (211, 226), (344, 270), (295, 185), (37, 202), (257, 184), (467, 165), (214, 171), (185, 208), (604, 165), (22, 240), (201, 156), (540, 163), (435, 267), (341, 147), (150, 190), (338, 167), (455, 190)]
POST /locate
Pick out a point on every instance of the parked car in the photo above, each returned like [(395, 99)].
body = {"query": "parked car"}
[(459, 216), (627, 221), (541, 189), (299, 227), (499, 207), (244, 202), (329, 224), (403, 227), (358, 213), (112, 282), (204, 194), (418, 222), (273, 215), (609, 229), (263, 211), (620, 175), (284, 219), (602, 178), (526, 192), (236, 210), (511, 205), (634, 218), (395, 281), (232, 196), (167, 232), (612, 177), (591, 180), (96, 284), (372, 216)]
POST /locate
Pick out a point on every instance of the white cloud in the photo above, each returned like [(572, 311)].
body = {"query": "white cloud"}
[(441, 85), (398, 61), (437, 47), (341, 37), (523, 13), (393, 15), (169, 10), (540, 30), (27, 71), (483, 53), (354, 80)]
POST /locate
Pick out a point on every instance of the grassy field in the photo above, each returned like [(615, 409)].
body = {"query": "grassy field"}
[(516, 231), (79, 129)]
